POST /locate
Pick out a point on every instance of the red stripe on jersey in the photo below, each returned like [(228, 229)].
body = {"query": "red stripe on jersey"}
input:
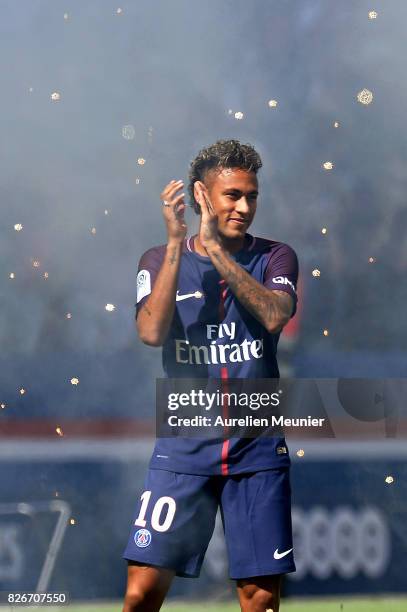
[(225, 413), (224, 376), (223, 292)]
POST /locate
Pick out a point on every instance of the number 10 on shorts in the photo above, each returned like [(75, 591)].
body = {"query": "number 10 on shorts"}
[(165, 506)]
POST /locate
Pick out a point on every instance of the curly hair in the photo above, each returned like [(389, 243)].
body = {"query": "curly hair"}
[(222, 154)]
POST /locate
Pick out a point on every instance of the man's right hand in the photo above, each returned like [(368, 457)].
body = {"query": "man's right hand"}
[(173, 211), (155, 316)]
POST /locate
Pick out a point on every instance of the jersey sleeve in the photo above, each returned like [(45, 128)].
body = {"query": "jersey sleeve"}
[(281, 272), (148, 269)]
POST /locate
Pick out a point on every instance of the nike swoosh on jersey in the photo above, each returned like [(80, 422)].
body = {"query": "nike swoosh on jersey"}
[(278, 555), (196, 294)]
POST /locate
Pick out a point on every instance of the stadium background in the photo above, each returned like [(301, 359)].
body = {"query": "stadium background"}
[(102, 104)]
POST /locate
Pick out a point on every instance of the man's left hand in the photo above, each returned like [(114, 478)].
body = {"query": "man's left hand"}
[(208, 230)]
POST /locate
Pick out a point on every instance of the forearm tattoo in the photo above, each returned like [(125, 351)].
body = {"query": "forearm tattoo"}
[(266, 308)]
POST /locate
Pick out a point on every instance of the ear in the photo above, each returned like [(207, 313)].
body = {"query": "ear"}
[(197, 187)]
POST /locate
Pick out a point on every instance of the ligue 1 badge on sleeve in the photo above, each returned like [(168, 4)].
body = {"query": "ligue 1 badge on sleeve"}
[(142, 538), (143, 284)]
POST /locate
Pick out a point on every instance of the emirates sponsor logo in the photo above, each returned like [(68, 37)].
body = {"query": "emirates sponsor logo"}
[(218, 353), (214, 353)]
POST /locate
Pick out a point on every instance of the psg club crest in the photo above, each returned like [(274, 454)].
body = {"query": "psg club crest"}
[(142, 538)]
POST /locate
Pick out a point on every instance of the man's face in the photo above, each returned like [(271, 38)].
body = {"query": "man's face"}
[(233, 193)]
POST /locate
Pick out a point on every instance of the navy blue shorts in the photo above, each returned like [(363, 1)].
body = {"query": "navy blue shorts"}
[(175, 518)]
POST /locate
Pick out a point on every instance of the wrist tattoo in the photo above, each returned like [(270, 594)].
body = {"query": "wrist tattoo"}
[(173, 256)]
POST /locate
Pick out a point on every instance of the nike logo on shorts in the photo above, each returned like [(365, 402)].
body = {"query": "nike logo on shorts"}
[(278, 555), (196, 294)]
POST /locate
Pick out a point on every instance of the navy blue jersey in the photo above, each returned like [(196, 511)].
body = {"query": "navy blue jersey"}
[(213, 336)]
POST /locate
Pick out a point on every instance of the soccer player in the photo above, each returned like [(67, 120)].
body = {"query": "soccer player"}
[(222, 287)]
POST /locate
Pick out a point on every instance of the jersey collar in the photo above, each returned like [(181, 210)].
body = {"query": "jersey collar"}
[(189, 242)]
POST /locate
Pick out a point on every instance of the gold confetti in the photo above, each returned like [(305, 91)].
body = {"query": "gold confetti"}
[(12, 275), (141, 161), (68, 315), (239, 115), (272, 103), (316, 272), (2, 406), (93, 230), (328, 165), (324, 230), (110, 307), (72, 521), (59, 431), (36, 263), (365, 96), (55, 96), (389, 479), (372, 15), (128, 132), (336, 124), (18, 227), (74, 381), (45, 274), (326, 332), (22, 391), (300, 452)]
